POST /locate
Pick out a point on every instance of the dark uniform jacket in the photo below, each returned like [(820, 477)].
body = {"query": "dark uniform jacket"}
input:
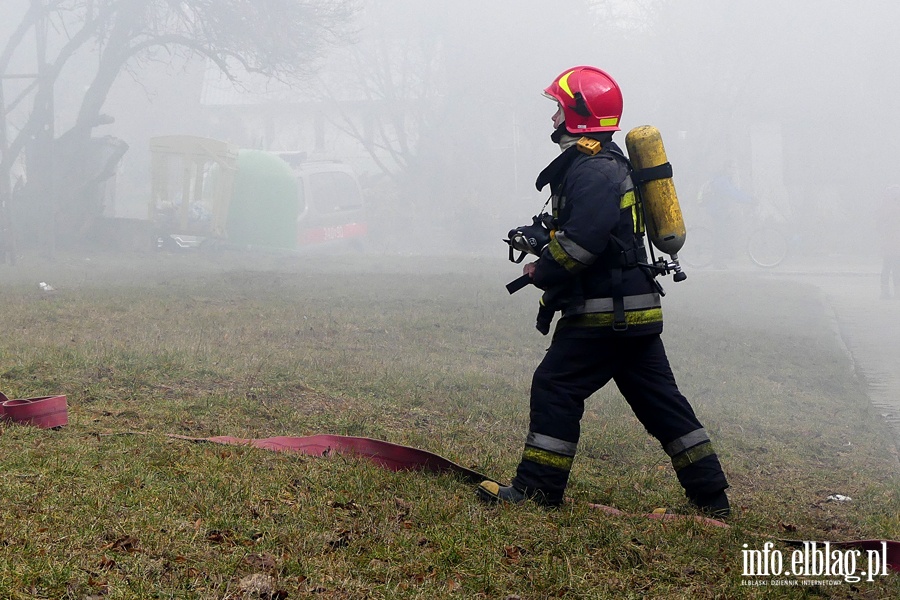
[(590, 264)]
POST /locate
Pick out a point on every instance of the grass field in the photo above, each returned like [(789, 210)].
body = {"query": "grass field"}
[(428, 353)]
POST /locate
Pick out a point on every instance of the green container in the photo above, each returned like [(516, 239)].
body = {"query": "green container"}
[(264, 207)]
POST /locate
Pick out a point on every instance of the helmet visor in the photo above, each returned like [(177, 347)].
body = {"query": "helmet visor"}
[(559, 117)]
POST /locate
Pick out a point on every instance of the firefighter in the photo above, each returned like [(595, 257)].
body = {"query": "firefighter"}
[(611, 317)]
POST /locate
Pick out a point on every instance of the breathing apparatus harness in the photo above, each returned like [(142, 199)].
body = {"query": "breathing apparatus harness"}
[(534, 237)]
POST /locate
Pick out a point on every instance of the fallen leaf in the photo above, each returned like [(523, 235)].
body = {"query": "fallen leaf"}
[(513, 553), (127, 543), (258, 583), (261, 562), (98, 583), (218, 537)]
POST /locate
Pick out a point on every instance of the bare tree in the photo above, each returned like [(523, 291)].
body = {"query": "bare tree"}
[(447, 84), (275, 38)]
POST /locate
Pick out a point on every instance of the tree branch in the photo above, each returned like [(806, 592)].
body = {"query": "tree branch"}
[(28, 21)]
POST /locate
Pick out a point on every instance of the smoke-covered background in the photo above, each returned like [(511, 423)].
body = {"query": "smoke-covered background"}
[(437, 106)]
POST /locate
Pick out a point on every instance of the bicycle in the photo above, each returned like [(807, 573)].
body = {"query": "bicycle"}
[(730, 223), (767, 245)]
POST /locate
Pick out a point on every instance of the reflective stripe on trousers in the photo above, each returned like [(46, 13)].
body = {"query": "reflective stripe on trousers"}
[(572, 370)]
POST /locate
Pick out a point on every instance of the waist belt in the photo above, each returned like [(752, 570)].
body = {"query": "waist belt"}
[(602, 305)]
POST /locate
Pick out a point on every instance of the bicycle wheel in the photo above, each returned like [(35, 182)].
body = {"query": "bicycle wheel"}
[(768, 247), (699, 249)]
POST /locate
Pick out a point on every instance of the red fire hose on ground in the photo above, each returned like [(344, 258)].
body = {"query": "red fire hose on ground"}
[(45, 412), (393, 457), (49, 412), (404, 458)]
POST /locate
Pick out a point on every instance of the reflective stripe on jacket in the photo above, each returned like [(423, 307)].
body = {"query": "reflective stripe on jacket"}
[(597, 219)]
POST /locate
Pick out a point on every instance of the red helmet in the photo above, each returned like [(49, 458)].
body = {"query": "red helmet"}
[(591, 100)]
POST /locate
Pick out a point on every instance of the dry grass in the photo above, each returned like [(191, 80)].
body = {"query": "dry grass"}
[(427, 353)]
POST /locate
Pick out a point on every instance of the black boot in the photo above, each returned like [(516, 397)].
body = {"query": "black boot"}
[(715, 505), (494, 493)]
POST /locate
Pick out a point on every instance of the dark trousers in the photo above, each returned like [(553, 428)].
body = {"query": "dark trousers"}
[(575, 368)]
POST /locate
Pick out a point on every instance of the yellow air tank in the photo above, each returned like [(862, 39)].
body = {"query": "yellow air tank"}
[(665, 225)]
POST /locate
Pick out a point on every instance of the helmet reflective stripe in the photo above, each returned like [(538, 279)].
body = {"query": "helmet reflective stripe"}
[(564, 84), (609, 122)]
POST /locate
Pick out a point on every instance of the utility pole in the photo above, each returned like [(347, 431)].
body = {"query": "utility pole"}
[(7, 239), (44, 141)]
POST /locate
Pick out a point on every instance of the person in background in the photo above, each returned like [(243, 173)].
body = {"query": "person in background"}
[(724, 201), (888, 227)]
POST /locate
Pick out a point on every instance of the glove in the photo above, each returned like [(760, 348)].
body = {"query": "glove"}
[(544, 319)]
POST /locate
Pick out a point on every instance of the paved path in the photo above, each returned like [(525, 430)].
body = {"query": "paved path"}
[(868, 325), (870, 328)]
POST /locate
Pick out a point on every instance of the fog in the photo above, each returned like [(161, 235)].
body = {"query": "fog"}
[(797, 95), (437, 109), (438, 106), (778, 117)]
